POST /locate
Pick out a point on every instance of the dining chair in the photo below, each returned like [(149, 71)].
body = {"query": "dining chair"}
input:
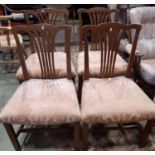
[(7, 41), (44, 102), (32, 62), (109, 99), (47, 15)]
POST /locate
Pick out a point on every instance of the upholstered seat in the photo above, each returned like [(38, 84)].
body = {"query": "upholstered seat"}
[(116, 99), (4, 42), (147, 70), (94, 58), (34, 69), (147, 65), (42, 102)]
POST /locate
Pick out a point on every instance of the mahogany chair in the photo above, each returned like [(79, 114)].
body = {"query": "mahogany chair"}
[(46, 101), (32, 62), (47, 15), (108, 99)]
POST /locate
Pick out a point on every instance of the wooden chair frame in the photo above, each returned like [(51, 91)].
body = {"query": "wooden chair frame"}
[(37, 44), (58, 28), (42, 30), (114, 32)]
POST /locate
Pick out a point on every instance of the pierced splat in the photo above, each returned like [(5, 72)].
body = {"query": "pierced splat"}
[(106, 38), (42, 42)]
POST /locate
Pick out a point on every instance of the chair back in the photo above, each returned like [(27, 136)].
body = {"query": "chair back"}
[(94, 16), (42, 41), (47, 15), (107, 37)]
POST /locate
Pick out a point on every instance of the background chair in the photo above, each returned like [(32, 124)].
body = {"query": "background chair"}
[(145, 47), (95, 16), (7, 42), (108, 99), (46, 101)]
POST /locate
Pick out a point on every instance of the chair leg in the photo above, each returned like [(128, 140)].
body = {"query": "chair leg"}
[(77, 136), (80, 88), (12, 136), (146, 131), (85, 133)]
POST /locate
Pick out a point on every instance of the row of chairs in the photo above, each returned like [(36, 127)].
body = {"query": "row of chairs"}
[(50, 16), (52, 100)]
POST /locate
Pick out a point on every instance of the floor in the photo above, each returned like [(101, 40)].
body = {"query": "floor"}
[(113, 140)]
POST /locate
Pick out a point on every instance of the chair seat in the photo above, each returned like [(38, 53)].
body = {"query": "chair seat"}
[(114, 100), (123, 44), (4, 42), (34, 69), (42, 102), (147, 70), (94, 62)]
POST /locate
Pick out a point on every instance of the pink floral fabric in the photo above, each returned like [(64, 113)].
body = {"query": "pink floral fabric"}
[(42, 102), (112, 100)]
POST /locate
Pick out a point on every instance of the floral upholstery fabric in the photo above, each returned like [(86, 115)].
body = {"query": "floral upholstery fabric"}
[(34, 70), (146, 17), (112, 100), (146, 43), (147, 70), (4, 42), (94, 62), (42, 102)]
